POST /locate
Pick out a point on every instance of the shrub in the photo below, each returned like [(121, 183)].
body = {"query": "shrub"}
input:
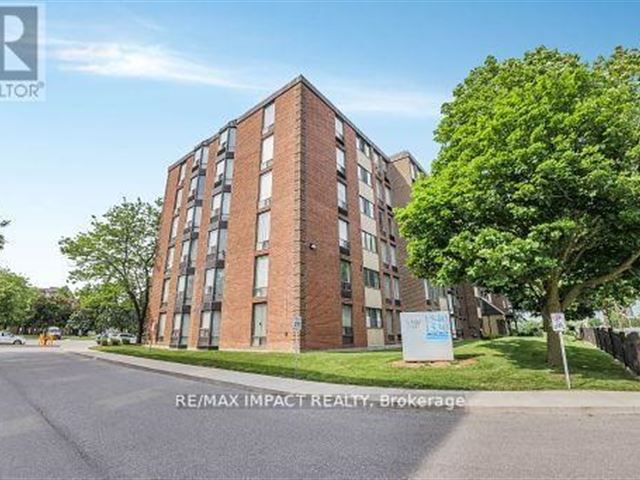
[(530, 328)]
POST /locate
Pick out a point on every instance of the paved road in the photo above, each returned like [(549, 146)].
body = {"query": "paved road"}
[(64, 416)]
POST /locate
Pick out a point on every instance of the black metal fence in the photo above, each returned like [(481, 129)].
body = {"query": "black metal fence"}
[(625, 346)]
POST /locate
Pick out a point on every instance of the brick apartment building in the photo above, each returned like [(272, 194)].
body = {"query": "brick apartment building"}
[(285, 213)]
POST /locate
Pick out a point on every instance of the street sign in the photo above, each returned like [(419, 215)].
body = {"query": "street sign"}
[(296, 323), (558, 323), (426, 336)]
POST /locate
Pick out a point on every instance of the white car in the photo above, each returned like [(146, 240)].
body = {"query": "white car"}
[(125, 337), (8, 338)]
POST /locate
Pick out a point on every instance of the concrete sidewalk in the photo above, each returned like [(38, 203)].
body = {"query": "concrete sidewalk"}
[(584, 401)]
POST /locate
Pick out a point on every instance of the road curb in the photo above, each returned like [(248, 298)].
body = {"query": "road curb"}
[(586, 402)]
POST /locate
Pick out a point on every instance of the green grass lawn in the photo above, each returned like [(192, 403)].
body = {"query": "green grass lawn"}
[(511, 363)]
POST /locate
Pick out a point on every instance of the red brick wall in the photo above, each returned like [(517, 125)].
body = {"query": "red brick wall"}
[(238, 295), (323, 305)]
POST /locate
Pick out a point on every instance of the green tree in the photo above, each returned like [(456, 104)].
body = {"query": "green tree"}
[(52, 309), (16, 299), (119, 249), (3, 223), (101, 307), (535, 192)]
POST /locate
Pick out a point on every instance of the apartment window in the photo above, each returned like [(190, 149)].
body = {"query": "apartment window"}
[(177, 323), (369, 242), (196, 187), (373, 316), (202, 157), (364, 175), (215, 327), (382, 224), (169, 261), (222, 244), (266, 160), (184, 252), (209, 281), (388, 290), (205, 321), (216, 205), (363, 146), (218, 286), (342, 196), (184, 328), (345, 272), (174, 227), (212, 242), (392, 227), (388, 321), (182, 171), (261, 276), (162, 323), (178, 202), (259, 325), (384, 251), (264, 197), (371, 278), (263, 230), (366, 207), (188, 293), (388, 196), (340, 161), (194, 215), (220, 166), (226, 205), (183, 288), (165, 291), (228, 173), (339, 128), (228, 139), (414, 172), (395, 283), (343, 234), (392, 256), (347, 323), (268, 117), (379, 190)]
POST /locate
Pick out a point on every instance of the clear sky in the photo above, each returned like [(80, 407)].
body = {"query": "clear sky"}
[(133, 86)]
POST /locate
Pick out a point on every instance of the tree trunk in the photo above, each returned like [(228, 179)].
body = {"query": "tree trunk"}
[(554, 351)]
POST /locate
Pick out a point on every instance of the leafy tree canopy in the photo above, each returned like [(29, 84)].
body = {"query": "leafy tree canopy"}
[(3, 223), (119, 249), (52, 308), (16, 299), (535, 192)]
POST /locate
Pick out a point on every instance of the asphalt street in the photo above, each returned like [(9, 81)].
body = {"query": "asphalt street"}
[(66, 416)]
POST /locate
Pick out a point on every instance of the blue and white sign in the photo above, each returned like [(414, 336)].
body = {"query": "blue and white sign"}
[(426, 336)]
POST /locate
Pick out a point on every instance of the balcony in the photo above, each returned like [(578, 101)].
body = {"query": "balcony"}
[(345, 289)]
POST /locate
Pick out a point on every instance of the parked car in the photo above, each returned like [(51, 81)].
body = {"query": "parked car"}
[(8, 338), (55, 333), (126, 338)]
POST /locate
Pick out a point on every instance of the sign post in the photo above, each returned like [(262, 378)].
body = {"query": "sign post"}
[(296, 328), (559, 325)]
